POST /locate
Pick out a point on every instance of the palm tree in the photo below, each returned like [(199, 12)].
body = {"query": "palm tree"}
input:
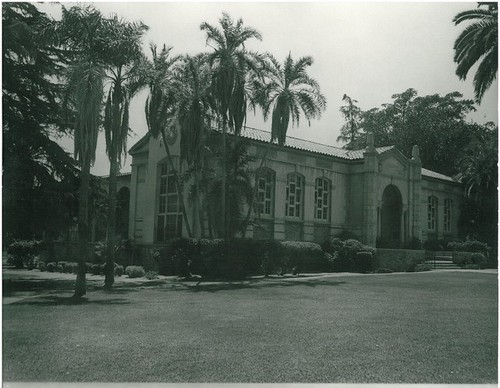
[(231, 63), (193, 114), (286, 92), (82, 31), (351, 113), (123, 57), (160, 109), (478, 43)]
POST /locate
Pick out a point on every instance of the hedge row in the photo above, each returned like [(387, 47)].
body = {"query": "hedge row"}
[(240, 258)]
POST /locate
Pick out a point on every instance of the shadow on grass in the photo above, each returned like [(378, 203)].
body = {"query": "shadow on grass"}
[(260, 284), (12, 286), (67, 301)]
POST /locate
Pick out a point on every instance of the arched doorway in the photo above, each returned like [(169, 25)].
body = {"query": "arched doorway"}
[(390, 222)]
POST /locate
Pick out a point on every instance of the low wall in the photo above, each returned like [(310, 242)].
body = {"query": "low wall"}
[(398, 260)]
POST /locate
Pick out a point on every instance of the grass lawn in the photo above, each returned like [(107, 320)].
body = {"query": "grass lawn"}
[(433, 327)]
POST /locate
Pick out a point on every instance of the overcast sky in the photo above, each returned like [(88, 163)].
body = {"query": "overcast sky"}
[(369, 51)]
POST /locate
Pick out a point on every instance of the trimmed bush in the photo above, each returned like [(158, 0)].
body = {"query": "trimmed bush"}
[(151, 275), (59, 268), (299, 257), (363, 262), (96, 269), (20, 253), (345, 253), (422, 267), (51, 267), (479, 259), (41, 266), (119, 270), (469, 246), (135, 271)]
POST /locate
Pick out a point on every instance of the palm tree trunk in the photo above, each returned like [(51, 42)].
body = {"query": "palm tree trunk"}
[(177, 184), (83, 218), (250, 207), (224, 183), (111, 238)]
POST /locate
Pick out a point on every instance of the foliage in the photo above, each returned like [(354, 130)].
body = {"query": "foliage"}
[(51, 267), (299, 256), (437, 124), (345, 254), (39, 177), (119, 270), (435, 245), (479, 174), (469, 246), (478, 43), (22, 253), (352, 116), (135, 271), (363, 262), (421, 267), (97, 269), (151, 275), (286, 91)]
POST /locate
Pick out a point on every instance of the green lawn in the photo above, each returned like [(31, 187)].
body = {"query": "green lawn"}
[(434, 327)]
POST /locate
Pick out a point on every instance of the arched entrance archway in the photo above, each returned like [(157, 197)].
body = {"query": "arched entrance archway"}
[(390, 222)]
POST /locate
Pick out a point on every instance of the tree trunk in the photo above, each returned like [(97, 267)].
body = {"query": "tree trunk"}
[(250, 207), (111, 238), (83, 218), (224, 183)]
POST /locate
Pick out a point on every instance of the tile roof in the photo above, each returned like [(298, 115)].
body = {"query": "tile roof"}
[(436, 175), (318, 148), (306, 145)]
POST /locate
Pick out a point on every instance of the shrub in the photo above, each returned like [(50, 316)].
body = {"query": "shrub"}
[(478, 259), (135, 271), (59, 268), (88, 267), (421, 267), (21, 252), (346, 253), (151, 275), (96, 269), (383, 270), (32, 263), (62, 264), (469, 246), (71, 267), (299, 256), (185, 254), (41, 266), (119, 270), (363, 262), (51, 267)]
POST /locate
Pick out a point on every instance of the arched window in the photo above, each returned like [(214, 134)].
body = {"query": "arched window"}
[(294, 196), (169, 220), (264, 201), (432, 205), (322, 199), (448, 203)]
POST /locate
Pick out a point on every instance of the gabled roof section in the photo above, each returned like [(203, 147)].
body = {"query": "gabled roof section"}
[(137, 146), (436, 175)]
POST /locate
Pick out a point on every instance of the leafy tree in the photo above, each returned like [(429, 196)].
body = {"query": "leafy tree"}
[(122, 62), (38, 175), (437, 124), (478, 43), (479, 174), (352, 115), (231, 65)]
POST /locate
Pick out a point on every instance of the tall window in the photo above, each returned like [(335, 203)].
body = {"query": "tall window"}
[(169, 222), (447, 214), (294, 196), (265, 193), (322, 199), (431, 212)]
